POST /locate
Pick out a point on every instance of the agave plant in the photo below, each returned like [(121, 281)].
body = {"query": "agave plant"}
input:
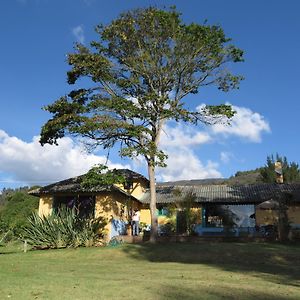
[(63, 229)]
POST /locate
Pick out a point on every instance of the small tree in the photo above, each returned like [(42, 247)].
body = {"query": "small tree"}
[(140, 70), (187, 203)]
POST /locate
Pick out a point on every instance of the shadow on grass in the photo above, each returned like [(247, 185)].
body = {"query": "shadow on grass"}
[(273, 262), (171, 292)]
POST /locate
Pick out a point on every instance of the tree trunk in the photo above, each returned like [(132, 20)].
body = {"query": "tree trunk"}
[(283, 226), (153, 233)]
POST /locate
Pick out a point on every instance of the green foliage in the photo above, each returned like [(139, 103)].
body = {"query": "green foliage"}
[(291, 171), (168, 228), (186, 204), (141, 67), (115, 242), (16, 208), (63, 229), (245, 177), (6, 236), (99, 175), (267, 174), (249, 172)]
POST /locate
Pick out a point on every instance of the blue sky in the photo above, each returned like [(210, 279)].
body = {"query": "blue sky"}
[(36, 35)]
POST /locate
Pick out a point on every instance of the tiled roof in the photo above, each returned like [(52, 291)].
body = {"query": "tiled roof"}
[(73, 185), (242, 194)]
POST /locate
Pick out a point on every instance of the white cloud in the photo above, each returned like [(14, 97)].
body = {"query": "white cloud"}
[(183, 135), (182, 162), (180, 141), (78, 32), (245, 124), (226, 157), (30, 162)]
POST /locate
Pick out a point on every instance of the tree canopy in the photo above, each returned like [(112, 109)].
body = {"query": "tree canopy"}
[(138, 72)]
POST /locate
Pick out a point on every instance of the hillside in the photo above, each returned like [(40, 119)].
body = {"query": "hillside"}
[(241, 177)]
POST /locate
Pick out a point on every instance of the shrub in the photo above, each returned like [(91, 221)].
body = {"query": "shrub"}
[(63, 229), (6, 236), (15, 210)]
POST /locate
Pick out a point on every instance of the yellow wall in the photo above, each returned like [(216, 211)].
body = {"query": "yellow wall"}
[(162, 220), (265, 216), (45, 206), (145, 216), (113, 205), (270, 216), (138, 189)]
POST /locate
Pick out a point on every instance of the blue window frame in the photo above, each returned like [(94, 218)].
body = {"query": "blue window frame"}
[(162, 211)]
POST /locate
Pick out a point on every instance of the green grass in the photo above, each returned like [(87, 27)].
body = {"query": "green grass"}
[(164, 271)]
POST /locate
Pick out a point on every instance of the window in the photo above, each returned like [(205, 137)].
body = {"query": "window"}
[(84, 205), (162, 211), (128, 185)]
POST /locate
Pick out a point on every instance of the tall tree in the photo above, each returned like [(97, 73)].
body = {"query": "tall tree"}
[(140, 69), (290, 171)]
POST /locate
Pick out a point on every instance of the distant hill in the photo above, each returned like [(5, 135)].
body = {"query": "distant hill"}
[(195, 182), (246, 177), (241, 177)]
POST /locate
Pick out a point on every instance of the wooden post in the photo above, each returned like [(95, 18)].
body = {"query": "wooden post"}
[(25, 246)]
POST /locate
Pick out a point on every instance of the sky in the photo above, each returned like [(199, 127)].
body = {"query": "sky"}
[(36, 36)]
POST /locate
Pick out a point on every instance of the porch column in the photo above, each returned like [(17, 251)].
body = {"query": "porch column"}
[(203, 218)]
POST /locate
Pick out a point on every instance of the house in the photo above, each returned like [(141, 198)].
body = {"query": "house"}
[(243, 207), (113, 202), (215, 206)]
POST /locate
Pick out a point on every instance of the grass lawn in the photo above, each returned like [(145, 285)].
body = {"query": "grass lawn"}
[(163, 271)]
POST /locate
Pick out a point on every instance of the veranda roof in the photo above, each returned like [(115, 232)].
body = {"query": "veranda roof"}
[(225, 194)]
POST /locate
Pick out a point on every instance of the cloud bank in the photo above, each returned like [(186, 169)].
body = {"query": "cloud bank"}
[(246, 124), (31, 163), (181, 141)]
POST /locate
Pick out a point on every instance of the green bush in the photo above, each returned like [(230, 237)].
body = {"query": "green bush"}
[(6, 236), (63, 229), (15, 210)]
